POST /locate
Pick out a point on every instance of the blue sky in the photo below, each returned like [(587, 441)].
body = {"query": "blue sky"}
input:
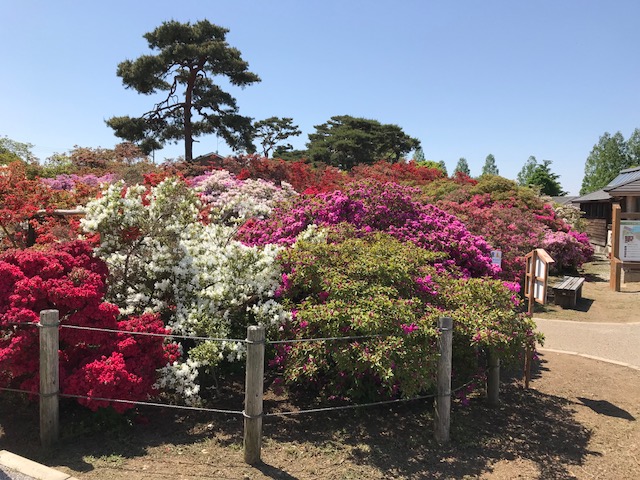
[(467, 78)]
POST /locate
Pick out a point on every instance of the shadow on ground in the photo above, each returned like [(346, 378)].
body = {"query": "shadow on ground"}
[(527, 425)]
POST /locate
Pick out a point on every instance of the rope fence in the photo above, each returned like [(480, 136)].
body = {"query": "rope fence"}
[(253, 413)]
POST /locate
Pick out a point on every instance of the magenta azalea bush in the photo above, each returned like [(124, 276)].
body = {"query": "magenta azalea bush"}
[(378, 207)]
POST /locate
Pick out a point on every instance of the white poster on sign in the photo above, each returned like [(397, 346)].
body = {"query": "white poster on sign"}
[(630, 240), (496, 257)]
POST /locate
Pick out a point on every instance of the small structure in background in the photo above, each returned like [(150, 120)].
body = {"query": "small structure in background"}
[(596, 208)]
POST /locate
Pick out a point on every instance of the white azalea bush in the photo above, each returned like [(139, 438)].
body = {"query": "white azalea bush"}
[(232, 200), (163, 258)]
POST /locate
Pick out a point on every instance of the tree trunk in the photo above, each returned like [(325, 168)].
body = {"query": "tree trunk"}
[(188, 129)]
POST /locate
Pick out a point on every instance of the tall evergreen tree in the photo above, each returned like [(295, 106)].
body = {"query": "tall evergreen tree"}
[(345, 141), (524, 176), (462, 166), (189, 59), (546, 180), (418, 155), (490, 167), (273, 130)]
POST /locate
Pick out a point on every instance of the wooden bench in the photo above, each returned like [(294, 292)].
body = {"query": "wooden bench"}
[(568, 291)]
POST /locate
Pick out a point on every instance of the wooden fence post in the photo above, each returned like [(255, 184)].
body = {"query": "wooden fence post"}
[(49, 377), (493, 378), (443, 397), (253, 396)]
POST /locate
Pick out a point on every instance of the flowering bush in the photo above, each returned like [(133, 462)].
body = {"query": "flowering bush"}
[(20, 201), (569, 250), (69, 182), (69, 279), (163, 259), (371, 206), (379, 286), (511, 218), (231, 200)]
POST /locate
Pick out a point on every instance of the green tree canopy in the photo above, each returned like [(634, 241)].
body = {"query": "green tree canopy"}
[(546, 180), (189, 59), (418, 155), (433, 164), (633, 148), (524, 176), (346, 141), (607, 158), (462, 166), (273, 130), (11, 151), (490, 167)]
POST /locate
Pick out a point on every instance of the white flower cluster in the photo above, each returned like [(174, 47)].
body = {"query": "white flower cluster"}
[(162, 259), (232, 200), (180, 377)]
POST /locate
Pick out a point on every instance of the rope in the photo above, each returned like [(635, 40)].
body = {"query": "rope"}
[(149, 334), (153, 404), (347, 407), (324, 339), (16, 390)]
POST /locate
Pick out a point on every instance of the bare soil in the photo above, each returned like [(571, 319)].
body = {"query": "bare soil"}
[(579, 420), (599, 302)]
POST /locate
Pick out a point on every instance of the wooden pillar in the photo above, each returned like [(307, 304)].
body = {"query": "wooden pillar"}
[(493, 378), (442, 416), (616, 267), (254, 389), (49, 377)]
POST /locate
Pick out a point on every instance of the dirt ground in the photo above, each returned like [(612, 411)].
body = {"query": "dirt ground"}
[(579, 420), (599, 303)]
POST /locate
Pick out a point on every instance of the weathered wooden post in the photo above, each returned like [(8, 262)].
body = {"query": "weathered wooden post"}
[(49, 377), (253, 397), (443, 397), (493, 378)]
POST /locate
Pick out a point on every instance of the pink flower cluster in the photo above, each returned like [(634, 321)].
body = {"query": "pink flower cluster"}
[(383, 207)]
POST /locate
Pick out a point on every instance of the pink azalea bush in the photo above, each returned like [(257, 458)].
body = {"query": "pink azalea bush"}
[(382, 207), (569, 249), (69, 182)]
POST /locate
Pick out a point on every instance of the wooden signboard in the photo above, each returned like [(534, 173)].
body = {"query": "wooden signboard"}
[(537, 273), (535, 289)]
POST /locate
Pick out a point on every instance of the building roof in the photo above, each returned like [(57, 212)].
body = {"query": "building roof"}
[(627, 182), (597, 196), (563, 200)]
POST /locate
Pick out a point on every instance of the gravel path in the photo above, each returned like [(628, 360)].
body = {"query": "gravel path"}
[(617, 342)]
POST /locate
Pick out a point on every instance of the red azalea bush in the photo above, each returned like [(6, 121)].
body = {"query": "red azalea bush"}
[(69, 279), (22, 198)]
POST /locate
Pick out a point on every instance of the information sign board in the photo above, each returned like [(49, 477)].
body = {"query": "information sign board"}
[(630, 240)]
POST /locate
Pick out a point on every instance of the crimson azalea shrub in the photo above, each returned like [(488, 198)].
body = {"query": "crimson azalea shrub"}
[(405, 173), (379, 286), (70, 279), (383, 207)]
